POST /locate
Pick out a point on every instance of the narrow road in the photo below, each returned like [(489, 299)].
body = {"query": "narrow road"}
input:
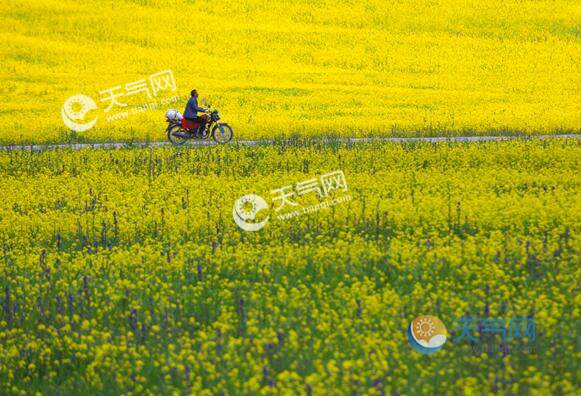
[(348, 140)]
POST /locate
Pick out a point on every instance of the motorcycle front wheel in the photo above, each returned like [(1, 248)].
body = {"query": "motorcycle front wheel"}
[(176, 135), (222, 133)]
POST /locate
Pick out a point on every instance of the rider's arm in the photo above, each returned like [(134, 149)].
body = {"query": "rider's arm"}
[(198, 108)]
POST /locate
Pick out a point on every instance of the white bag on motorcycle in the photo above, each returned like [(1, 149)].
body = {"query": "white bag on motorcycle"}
[(173, 115)]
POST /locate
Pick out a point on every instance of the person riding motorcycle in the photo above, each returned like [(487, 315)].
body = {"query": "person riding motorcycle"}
[(192, 109)]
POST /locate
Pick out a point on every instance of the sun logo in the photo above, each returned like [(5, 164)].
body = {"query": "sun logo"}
[(74, 111), (427, 334), (425, 327), (245, 212)]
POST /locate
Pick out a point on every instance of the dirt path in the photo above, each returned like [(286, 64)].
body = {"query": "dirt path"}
[(194, 143)]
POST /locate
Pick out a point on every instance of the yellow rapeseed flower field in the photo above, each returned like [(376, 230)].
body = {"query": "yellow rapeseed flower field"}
[(128, 270), (372, 67), (122, 272)]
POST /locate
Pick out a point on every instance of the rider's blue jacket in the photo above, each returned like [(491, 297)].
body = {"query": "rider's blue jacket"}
[(192, 108)]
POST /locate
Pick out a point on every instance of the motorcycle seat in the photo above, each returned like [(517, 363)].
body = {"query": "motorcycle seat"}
[(189, 124)]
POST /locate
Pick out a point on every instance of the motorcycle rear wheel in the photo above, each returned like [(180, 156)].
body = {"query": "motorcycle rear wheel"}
[(176, 140), (222, 133)]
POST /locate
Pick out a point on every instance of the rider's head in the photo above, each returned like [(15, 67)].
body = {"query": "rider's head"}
[(194, 93)]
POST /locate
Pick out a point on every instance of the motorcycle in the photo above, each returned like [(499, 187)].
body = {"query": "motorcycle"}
[(180, 129)]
